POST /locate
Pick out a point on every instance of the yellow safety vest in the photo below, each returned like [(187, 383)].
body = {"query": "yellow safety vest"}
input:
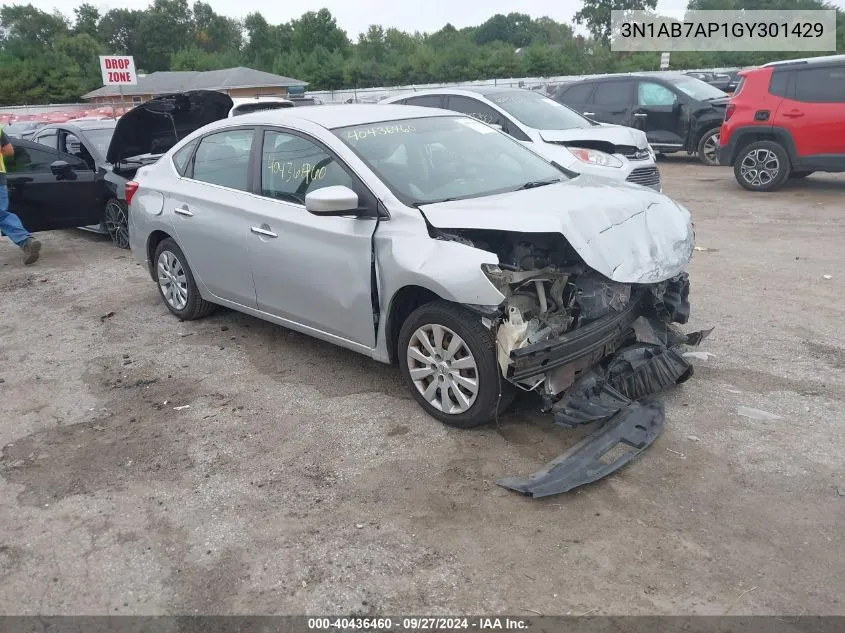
[(2, 160)]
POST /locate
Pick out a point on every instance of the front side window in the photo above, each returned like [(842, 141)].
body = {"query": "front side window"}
[(292, 166), (476, 109), (537, 111), (697, 89), (820, 85), (651, 94), (434, 159), (223, 159), (28, 160)]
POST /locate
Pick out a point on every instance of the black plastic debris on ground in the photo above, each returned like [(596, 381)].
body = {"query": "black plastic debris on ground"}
[(617, 394)]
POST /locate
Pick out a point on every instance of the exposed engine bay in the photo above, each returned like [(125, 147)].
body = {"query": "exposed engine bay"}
[(595, 349)]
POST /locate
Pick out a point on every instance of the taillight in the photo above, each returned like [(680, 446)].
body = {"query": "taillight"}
[(131, 188), (729, 111)]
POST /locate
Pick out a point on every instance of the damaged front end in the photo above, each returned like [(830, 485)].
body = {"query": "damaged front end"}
[(596, 350)]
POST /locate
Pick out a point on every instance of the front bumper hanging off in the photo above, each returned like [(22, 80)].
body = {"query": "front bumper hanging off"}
[(634, 355)]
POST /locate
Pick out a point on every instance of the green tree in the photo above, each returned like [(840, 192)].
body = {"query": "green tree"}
[(596, 14)]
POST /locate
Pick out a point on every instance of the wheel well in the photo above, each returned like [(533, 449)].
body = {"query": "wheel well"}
[(405, 301), (705, 130), (154, 240), (752, 137)]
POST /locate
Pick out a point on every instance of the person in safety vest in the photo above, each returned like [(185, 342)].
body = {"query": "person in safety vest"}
[(10, 224)]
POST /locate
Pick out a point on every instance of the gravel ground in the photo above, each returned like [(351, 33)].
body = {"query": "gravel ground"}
[(304, 479)]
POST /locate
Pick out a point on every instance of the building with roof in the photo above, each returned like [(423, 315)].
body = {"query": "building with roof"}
[(236, 82)]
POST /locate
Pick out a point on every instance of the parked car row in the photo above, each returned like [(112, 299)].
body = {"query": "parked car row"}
[(676, 112), (554, 131)]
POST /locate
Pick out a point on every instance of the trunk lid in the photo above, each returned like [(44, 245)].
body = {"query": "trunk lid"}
[(158, 124)]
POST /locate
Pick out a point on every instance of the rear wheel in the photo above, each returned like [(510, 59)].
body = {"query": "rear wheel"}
[(708, 147), (116, 222), (448, 360), (762, 166), (176, 283)]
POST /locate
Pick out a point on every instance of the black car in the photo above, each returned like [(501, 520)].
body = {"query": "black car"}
[(74, 174), (677, 112), (722, 81)]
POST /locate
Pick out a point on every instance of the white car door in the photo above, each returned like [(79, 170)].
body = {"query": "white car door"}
[(314, 271)]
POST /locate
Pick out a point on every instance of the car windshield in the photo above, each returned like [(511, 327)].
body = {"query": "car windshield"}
[(100, 138), (435, 159), (537, 111), (697, 89)]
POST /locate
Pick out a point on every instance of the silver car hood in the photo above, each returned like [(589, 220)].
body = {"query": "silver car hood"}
[(627, 233), (616, 134)]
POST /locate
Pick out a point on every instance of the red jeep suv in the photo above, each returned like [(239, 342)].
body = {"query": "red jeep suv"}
[(786, 120)]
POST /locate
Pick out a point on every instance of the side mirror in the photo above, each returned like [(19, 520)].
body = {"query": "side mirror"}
[(329, 201), (496, 125), (61, 169)]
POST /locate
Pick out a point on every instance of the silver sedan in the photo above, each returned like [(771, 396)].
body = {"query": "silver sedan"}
[(415, 236)]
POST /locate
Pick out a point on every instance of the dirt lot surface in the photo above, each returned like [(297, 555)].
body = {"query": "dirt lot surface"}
[(304, 478)]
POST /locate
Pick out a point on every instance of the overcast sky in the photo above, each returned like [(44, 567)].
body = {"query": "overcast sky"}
[(354, 16)]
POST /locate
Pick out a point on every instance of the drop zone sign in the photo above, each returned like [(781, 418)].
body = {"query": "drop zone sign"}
[(118, 70)]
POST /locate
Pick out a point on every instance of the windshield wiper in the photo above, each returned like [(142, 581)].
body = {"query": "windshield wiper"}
[(538, 183)]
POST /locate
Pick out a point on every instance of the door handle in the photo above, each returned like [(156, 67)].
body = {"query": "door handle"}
[(264, 232), (793, 114), (589, 114), (640, 115), (183, 210)]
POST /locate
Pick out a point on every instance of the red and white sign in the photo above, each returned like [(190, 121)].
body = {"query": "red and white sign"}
[(118, 70)]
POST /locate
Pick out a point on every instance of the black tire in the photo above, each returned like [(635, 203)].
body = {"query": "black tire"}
[(195, 307), (480, 343), (116, 222), (757, 154), (800, 174), (707, 149)]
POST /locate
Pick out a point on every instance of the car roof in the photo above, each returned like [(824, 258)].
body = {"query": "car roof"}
[(483, 91), (342, 115), (82, 126), (824, 59)]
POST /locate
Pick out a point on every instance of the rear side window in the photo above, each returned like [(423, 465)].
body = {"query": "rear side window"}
[(576, 94), (223, 159), (428, 101), (182, 158), (612, 93), (777, 85), (820, 85)]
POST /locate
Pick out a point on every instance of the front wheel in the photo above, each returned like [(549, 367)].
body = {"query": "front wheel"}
[(708, 148), (448, 360), (176, 283), (762, 166), (116, 222)]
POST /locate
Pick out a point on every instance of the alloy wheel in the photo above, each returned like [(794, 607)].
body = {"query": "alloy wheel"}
[(759, 167), (172, 280), (711, 149), (117, 224), (443, 368)]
